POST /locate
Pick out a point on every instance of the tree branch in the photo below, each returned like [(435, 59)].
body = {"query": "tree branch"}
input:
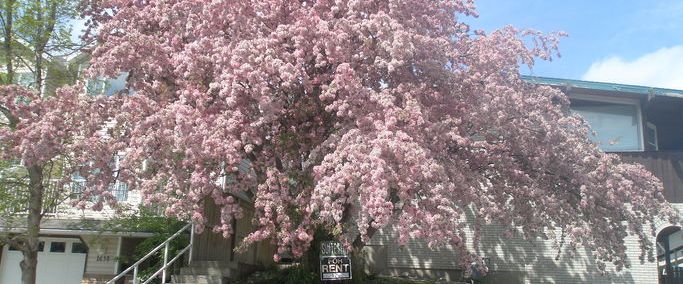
[(13, 121)]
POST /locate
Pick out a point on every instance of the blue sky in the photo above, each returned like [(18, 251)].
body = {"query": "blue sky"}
[(621, 41), (635, 42)]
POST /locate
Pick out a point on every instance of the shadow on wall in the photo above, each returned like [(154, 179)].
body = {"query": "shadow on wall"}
[(512, 260), (414, 260), (515, 260)]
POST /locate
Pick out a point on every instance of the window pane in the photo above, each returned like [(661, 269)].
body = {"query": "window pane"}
[(26, 79), (116, 84), (57, 247), (77, 186), (78, 248), (616, 126), (41, 246), (651, 135), (121, 191)]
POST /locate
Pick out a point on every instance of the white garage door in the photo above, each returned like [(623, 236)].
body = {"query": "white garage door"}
[(60, 261)]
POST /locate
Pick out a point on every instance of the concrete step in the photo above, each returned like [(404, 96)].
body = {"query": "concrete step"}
[(197, 279), (204, 270), (208, 263)]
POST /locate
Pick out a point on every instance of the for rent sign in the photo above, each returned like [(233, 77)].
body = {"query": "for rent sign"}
[(335, 263)]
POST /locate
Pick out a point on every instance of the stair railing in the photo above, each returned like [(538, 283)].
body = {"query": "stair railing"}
[(167, 263)]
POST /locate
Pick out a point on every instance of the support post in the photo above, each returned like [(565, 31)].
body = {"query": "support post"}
[(189, 260), (163, 273)]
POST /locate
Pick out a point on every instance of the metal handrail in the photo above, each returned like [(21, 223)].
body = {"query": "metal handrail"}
[(167, 263)]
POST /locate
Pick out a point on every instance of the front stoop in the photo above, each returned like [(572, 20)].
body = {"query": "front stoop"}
[(205, 272)]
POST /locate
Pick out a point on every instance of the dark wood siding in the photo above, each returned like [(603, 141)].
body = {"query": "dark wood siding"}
[(212, 246), (666, 165), (209, 245)]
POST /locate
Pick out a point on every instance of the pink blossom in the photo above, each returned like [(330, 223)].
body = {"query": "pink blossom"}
[(349, 116)]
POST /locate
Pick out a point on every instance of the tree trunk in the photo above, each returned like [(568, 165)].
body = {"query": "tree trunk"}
[(39, 47), (39, 72), (358, 273), (358, 259), (28, 267), (35, 206), (7, 45), (44, 35)]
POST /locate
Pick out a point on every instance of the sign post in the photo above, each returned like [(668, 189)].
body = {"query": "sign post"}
[(335, 263)]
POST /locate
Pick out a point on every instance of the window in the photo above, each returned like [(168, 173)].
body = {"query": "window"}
[(616, 126), (77, 186), (95, 86), (651, 136), (25, 79), (92, 86), (78, 248), (41, 246), (57, 247), (106, 86), (120, 191), (116, 84), (670, 255)]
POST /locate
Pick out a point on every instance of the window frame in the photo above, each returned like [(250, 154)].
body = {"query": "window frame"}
[(617, 100), (648, 126)]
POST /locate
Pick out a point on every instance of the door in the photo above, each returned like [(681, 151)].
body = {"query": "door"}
[(60, 260)]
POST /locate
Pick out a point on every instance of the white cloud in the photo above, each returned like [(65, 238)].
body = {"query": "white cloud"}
[(662, 68)]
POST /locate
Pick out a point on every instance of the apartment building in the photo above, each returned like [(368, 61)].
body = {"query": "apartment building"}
[(75, 245), (642, 125)]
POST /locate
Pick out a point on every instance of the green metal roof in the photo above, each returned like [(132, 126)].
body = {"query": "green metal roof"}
[(613, 87)]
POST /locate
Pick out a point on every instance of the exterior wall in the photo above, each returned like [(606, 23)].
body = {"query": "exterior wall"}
[(211, 246), (385, 257), (665, 165), (94, 269), (537, 262), (66, 211), (243, 229), (95, 279), (667, 115), (512, 260), (102, 256)]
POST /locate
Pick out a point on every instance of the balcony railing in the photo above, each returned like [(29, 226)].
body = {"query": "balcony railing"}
[(118, 189), (666, 165)]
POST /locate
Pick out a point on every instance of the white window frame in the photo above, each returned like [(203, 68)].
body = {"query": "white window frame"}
[(615, 100)]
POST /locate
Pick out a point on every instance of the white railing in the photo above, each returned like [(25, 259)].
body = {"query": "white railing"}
[(166, 264)]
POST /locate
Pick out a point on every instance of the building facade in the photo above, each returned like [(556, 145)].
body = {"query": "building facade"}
[(75, 246), (640, 124)]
